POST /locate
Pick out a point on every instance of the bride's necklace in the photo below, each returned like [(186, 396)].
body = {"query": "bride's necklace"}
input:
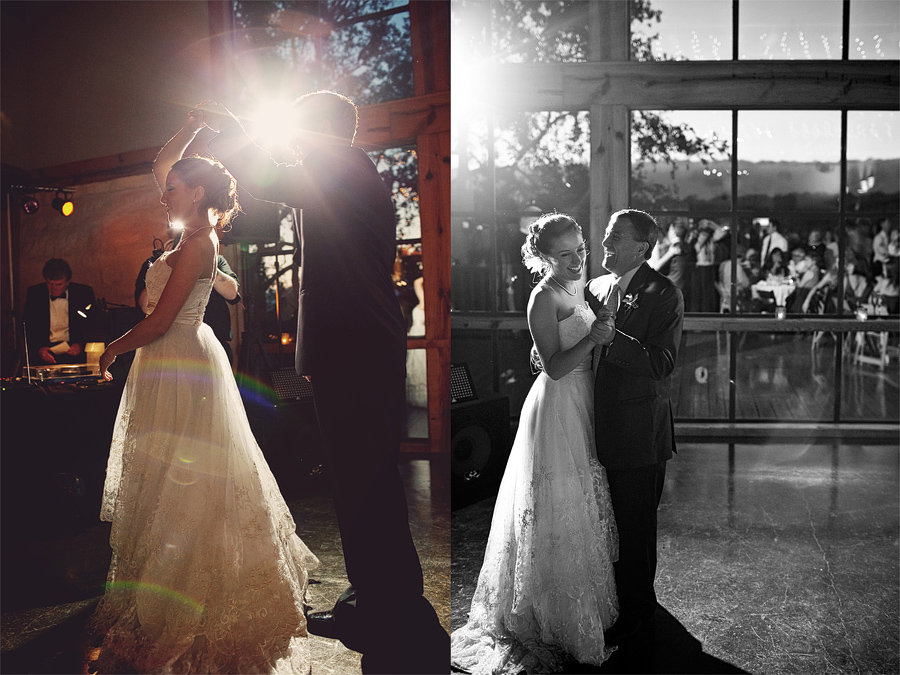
[(199, 229), (572, 293)]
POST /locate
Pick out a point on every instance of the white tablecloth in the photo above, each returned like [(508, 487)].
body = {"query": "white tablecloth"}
[(781, 291)]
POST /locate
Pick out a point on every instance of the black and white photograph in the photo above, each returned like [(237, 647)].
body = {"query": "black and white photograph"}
[(675, 337)]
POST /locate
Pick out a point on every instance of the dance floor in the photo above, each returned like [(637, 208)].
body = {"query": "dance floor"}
[(53, 577), (773, 558)]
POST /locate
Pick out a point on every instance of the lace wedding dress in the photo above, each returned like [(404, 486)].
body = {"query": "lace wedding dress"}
[(207, 574), (546, 590)]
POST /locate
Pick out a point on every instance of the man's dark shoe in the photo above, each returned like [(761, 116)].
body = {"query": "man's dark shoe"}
[(624, 628), (323, 624)]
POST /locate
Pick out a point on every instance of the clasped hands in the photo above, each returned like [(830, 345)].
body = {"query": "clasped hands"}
[(208, 113), (602, 332)]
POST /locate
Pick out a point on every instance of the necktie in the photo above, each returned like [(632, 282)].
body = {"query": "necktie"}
[(58, 297), (615, 297)]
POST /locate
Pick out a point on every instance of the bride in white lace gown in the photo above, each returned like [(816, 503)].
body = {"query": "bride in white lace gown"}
[(208, 574), (546, 590)]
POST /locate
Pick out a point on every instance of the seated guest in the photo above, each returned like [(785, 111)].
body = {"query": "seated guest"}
[(815, 248), (54, 328), (751, 266), (856, 285), (887, 284), (805, 273), (881, 241), (774, 268), (894, 243)]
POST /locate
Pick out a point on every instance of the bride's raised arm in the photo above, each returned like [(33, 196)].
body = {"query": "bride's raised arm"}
[(173, 150)]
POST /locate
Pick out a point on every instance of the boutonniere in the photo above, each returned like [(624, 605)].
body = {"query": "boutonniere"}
[(630, 301)]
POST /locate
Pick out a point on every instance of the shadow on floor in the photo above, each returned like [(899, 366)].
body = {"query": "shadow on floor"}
[(666, 647)]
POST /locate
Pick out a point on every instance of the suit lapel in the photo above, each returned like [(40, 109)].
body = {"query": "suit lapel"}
[(638, 281)]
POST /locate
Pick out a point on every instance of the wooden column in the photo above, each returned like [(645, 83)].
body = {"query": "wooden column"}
[(610, 141), (430, 33), (610, 128)]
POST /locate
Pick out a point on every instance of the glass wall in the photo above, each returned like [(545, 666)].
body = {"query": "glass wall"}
[(539, 162), (360, 49), (729, 178), (681, 30), (785, 172)]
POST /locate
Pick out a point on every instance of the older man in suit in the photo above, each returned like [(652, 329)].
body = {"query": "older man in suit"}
[(633, 415), (55, 316), (351, 342)]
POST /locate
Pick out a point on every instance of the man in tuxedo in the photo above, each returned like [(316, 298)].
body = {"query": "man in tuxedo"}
[(351, 344), (633, 419), (55, 316)]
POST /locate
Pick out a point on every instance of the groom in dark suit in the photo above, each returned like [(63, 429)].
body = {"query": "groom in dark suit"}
[(633, 419), (351, 343)]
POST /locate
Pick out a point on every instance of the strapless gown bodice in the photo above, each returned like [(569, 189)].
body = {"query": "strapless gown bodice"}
[(194, 307), (573, 328)]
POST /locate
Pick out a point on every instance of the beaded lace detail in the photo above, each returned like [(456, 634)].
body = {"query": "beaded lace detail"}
[(208, 574), (546, 590)]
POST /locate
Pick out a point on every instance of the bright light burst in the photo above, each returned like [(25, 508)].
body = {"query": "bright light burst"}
[(274, 123)]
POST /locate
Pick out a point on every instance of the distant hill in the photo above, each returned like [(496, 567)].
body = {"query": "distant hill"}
[(811, 182)]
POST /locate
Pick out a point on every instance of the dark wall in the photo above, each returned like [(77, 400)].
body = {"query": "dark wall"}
[(82, 80)]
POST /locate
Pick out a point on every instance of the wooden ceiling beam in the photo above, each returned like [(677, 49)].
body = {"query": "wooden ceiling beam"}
[(703, 85), (383, 125)]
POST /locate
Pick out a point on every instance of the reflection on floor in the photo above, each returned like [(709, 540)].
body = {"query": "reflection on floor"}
[(775, 372), (53, 577), (776, 558)]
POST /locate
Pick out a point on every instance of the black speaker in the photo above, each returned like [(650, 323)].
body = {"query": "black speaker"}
[(479, 448), (285, 425)]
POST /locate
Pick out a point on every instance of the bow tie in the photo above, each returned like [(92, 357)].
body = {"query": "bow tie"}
[(58, 297)]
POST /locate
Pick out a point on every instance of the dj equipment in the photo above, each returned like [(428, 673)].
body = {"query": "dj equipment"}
[(56, 373)]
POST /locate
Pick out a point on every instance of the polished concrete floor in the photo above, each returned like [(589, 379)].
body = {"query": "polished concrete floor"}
[(53, 574), (772, 559)]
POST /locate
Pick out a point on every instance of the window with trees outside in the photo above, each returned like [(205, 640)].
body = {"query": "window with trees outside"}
[(722, 120), (365, 50)]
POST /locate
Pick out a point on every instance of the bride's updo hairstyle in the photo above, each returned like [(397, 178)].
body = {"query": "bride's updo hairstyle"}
[(539, 240), (219, 186)]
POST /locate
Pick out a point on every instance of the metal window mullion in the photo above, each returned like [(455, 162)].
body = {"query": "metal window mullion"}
[(732, 343)]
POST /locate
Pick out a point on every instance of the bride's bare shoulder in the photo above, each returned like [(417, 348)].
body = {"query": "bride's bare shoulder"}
[(198, 252)]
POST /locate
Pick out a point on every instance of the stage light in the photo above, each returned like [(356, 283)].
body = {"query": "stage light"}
[(30, 204), (62, 203)]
